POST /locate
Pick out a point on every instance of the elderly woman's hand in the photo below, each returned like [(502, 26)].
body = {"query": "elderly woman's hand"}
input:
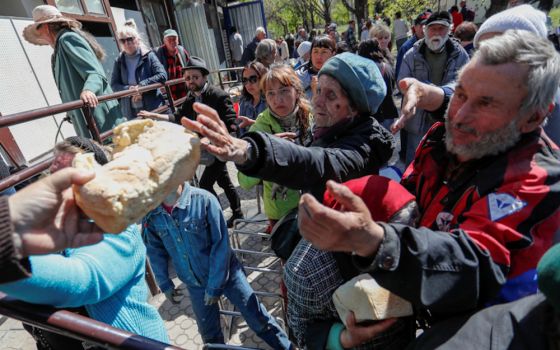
[(89, 98), (217, 139)]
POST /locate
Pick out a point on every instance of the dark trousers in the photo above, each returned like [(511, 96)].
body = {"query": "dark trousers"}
[(217, 172)]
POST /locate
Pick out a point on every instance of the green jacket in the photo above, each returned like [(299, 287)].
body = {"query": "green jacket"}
[(76, 68), (274, 209)]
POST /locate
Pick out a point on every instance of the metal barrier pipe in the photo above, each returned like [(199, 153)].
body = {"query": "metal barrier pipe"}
[(77, 326), (24, 174), (22, 117)]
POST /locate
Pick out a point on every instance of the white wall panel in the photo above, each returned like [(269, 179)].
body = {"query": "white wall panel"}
[(22, 90)]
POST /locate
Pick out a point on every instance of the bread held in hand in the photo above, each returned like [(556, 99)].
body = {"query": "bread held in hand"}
[(368, 301), (150, 160)]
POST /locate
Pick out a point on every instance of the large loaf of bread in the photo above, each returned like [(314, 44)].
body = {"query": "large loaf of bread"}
[(368, 300), (150, 160)]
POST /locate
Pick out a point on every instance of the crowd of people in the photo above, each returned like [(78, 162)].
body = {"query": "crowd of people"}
[(468, 236)]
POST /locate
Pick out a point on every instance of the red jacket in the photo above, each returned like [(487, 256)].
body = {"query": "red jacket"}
[(482, 230)]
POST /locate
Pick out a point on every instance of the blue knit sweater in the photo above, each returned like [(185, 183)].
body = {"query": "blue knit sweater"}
[(106, 278)]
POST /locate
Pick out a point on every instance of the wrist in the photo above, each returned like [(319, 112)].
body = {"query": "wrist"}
[(369, 239), (243, 152)]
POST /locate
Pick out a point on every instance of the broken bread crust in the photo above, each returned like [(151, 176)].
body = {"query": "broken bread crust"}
[(151, 159)]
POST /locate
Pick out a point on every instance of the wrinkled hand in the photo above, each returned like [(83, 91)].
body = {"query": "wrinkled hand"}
[(89, 98), (145, 114), (313, 84), (243, 122), (217, 140), (47, 217), (356, 334), (208, 300), (410, 89), (174, 295), (290, 136), (349, 230)]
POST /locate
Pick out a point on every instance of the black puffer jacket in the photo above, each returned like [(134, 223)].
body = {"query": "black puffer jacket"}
[(357, 149)]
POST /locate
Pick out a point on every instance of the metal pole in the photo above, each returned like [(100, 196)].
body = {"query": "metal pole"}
[(91, 124)]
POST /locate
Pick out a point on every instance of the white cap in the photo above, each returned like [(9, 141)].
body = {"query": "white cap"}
[(523, 17), (303, 48)]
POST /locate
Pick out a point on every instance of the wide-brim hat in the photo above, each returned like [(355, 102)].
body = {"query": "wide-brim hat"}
[(197, 63), (45, 14)]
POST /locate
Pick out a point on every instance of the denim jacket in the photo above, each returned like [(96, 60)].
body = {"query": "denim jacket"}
[(195, 237)]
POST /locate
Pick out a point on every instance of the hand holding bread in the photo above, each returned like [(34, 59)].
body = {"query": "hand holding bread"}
[(150, 160)]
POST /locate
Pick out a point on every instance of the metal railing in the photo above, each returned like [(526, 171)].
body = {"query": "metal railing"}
[(27, 116), (76, 326), (60, 321)]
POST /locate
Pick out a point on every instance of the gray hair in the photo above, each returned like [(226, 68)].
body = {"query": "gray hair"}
[(538, 54), (265, 49), (260, 30)]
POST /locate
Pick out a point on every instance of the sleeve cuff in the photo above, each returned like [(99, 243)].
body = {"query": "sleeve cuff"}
[(387, 257), (13, 266), (333, 341)]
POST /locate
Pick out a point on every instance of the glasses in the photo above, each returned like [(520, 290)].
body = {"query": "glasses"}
[(282, 92), (129, 40), (252, 79)]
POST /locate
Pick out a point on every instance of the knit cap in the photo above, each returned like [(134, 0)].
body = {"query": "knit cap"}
[(360, 78), (303, 48), (548, 272), (523, 17)]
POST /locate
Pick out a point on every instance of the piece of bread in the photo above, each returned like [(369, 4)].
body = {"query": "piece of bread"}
[(368, 300), (150, 160)]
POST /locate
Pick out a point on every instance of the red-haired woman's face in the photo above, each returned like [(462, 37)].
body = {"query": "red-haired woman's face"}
[(280, 99)]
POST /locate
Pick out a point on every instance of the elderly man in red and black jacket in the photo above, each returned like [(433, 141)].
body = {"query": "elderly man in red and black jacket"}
[(487, 182), (174, 58)]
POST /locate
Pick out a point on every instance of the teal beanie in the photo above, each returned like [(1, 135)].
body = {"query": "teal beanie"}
[(548, 273), (360, 78)]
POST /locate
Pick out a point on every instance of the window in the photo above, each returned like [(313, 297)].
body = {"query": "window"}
[(70, 6), (95, 6)]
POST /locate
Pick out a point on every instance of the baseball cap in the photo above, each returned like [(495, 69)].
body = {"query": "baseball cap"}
[(442, 17), (422, 18), (170, 32)]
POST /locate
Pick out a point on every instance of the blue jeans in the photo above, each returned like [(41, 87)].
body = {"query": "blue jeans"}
[(240, 294)]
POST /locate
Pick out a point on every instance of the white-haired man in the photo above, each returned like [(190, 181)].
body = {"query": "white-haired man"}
[(487, 182), (249, 52), (435, 59)]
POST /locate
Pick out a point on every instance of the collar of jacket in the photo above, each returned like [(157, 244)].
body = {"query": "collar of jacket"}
[(336, 132), (183, 201)]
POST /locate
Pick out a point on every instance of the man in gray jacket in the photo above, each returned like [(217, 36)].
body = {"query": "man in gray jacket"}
[(435, 59)]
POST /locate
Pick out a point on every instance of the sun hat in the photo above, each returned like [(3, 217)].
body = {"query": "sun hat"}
[(45, 14)]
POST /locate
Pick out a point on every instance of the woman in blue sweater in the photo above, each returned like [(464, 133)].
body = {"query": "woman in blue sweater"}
[(106, 280)]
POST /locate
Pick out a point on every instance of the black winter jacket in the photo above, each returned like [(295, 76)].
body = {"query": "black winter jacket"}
[(357, 149)]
